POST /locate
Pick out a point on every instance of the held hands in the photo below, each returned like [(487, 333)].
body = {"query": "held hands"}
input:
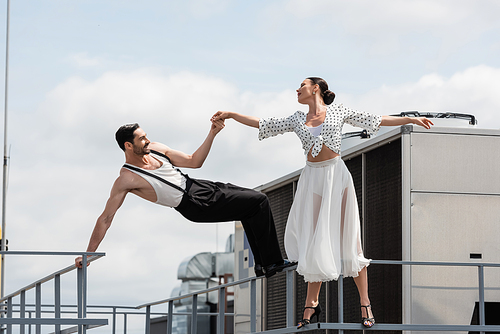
[(217, 126), (220, 115), (422, 121)]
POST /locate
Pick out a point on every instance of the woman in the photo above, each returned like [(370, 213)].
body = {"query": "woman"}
[(323, 228)]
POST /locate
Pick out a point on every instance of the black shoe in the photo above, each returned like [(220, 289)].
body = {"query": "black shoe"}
[(317, 312), (276, 268), (259, 271), (368, 321)]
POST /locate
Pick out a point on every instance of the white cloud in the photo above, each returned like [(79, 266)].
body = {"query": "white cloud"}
[(58, 189), (472, 91), (385, 25), (63, 170)]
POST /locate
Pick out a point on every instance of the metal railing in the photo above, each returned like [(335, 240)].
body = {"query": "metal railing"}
[(81, 321), (111, 311), (340, 325), (290, 326)]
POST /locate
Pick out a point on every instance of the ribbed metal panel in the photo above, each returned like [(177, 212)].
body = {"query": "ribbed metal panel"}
[(281, 201), (383, 230)]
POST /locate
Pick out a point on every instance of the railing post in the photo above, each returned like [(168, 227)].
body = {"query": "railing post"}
[(84, 291), (124, 323), (29, 326), (113, 330), (289, 298), (253, 305), (148, 319), (170, 318), (340, 285), (194, 315), (22, 311), (482, 319), (79, 303), (38, 306), (9, 314), (57, 302), (221, 318)]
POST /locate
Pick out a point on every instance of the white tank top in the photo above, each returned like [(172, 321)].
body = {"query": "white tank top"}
[(315, 130), (166, 195)]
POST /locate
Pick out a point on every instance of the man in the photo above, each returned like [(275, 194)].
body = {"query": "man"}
[(150, 172)]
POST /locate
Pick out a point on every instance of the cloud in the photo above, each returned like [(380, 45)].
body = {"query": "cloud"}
[(58, 189), (385, 26), (471, 91), (66, 159)]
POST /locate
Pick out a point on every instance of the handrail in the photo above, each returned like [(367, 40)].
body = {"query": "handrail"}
[(289, 327), (218, 287), (436, 263), (81, 321), (93, 257), (340, 325)]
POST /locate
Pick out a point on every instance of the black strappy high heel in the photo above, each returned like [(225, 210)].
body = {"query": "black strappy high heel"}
[(317, 312), (369, 321)]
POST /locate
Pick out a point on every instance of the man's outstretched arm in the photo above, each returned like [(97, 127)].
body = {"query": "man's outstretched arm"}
[(195, 160), (116, 198)]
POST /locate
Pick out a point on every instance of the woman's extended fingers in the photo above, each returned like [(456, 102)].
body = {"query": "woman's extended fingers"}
[(427, 123), (219, 115), (424, 121)]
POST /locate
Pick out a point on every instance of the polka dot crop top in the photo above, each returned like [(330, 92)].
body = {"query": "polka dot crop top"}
[(331, 133)]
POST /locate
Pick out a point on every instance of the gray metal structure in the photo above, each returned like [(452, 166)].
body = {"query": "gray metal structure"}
[(448, 203), (199, 272)]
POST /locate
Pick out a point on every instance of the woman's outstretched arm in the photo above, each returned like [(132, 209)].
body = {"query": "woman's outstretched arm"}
[(396, 120), (243, 119)]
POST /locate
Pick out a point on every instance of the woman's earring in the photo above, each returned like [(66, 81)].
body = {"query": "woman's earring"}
[(314, 93)]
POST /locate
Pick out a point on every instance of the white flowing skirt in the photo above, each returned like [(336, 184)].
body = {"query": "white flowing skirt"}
[(323, 229)]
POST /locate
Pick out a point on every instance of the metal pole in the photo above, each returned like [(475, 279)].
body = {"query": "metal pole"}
[(38, 307), (5, 157), (148, 319), (79, 303), (194, 315), (84, 291), (125, 323), (482, 319), (57, 301), (113, 330), (340, 283), (289, 298), (9, 314), (22, 315), (221, 318), (170, 318), (253, 306)]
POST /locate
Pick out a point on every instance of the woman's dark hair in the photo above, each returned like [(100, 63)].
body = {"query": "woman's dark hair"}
[(328, 95), (126, 134)]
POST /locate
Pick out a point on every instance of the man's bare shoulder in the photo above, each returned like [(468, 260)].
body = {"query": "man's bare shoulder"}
[(159, 147), (128, 180)]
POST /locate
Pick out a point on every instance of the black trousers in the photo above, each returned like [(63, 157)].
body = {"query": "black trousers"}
[(207, 201)]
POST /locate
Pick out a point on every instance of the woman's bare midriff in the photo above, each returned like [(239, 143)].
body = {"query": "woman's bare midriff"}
[(324, 154)]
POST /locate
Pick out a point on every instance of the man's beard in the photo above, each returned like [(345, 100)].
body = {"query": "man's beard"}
[(141, 150)]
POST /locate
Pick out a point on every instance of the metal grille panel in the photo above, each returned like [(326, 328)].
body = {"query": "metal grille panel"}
[(281, 201)]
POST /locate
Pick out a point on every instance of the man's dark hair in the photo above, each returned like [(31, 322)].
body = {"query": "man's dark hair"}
[(126, 134)]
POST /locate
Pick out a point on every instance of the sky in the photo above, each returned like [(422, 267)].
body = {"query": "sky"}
[(80, 69)]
